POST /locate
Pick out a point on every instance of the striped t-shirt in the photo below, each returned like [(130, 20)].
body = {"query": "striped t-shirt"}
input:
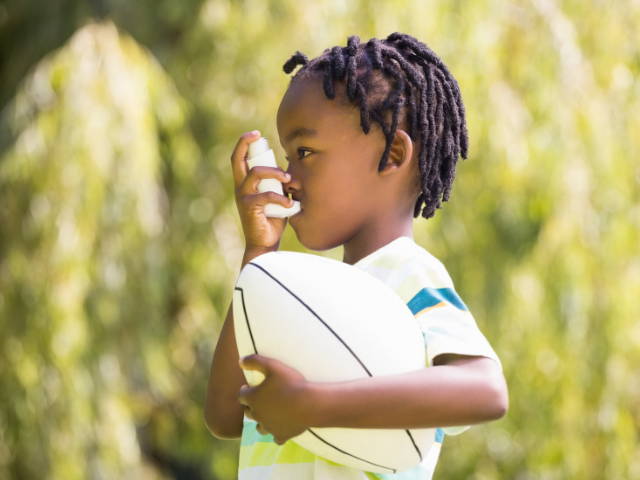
[(424, 285)]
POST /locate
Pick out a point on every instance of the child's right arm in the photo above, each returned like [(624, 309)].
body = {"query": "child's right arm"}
[(223, 412)]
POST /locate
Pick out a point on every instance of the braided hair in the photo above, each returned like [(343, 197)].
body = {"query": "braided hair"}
[(435, 112)]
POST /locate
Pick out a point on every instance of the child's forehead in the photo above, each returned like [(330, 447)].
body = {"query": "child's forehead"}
[(306, 96), (306, 108)]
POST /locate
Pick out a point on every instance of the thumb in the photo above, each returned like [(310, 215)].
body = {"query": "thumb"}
[(255, 362)]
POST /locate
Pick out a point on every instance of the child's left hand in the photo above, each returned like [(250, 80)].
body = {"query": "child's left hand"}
[(280, 404)]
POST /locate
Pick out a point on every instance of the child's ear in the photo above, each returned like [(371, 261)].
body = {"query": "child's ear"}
[(400, 153)]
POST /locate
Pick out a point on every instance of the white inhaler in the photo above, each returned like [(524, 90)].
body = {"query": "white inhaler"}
[(260, 155)]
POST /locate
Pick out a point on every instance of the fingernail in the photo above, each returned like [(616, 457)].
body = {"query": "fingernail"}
[(287, 176), (255, 132), (241, 360)]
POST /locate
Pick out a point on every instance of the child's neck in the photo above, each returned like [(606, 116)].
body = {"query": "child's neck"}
[(364, 244)]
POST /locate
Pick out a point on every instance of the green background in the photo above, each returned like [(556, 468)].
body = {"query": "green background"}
[(120, 240)]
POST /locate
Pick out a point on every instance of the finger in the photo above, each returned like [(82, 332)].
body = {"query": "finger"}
[(278, 441), (244, 393), (255, 175), (248, 413), (261, 199), (238, 164), (261, 430), (256, 362)]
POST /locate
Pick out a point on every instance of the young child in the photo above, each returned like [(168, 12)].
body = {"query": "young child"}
[(372, 131)]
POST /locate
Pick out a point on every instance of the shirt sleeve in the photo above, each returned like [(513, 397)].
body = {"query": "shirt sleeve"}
[(446, 323), (447, 329)]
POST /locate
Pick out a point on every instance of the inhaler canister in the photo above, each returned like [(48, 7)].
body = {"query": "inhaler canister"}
[(261, 155)]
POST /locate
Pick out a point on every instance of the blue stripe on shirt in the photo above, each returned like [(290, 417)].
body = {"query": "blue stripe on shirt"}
[(250, 435), (428, 297)]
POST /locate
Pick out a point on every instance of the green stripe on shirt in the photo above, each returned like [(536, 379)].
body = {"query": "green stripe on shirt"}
[(263, 454)]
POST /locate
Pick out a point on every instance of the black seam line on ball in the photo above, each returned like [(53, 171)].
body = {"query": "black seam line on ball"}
[(341, 341), (316, 315), (414, 444), (347, 453), (246, 317)]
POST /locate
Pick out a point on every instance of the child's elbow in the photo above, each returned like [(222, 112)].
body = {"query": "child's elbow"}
[(499, 398), (221, 429)]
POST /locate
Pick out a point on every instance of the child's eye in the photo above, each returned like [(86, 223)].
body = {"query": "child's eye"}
[(302, 150), (299, 153)]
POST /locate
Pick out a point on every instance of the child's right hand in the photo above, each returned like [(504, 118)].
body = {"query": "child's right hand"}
[(260, 231)]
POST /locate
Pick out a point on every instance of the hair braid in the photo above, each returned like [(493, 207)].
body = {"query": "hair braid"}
[(376, 55), (364, 111), (338, 63), (296, 59), (328, 80), (352, 51), (399, 82)]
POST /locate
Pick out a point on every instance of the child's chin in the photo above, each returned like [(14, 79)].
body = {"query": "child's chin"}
[(314, 241)]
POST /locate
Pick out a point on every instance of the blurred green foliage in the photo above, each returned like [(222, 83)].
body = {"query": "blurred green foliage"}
[(120, 241)]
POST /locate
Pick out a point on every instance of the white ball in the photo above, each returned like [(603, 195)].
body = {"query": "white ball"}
[(332, 322)]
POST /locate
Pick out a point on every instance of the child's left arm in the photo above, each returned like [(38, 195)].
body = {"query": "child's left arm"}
[(460, 390)]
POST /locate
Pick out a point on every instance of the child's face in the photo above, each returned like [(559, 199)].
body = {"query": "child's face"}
[(334, 170)]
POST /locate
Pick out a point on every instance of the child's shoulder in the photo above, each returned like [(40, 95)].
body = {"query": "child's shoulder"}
[(413, 259)]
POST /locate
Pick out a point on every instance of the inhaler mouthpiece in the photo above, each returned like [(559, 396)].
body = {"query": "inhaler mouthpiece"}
[(260, 155)]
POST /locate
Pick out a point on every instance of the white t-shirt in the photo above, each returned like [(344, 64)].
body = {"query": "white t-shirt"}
[(423, 283)]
